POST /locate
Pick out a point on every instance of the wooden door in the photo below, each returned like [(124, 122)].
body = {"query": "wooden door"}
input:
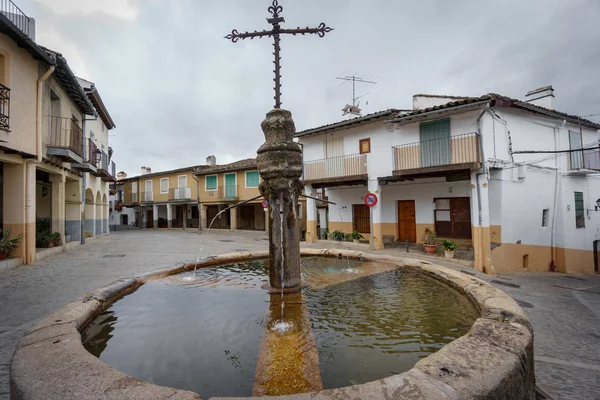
[(150, 221), (461, 217), (361, 218), (407, 222)]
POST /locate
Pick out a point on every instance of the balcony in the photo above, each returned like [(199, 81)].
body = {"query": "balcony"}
[(65, 140), (180, 194), (134, 198), (437, 157), (89, 164), (224, 193), (105, 169), (584, 162), (147, 197), (4, 108), (16, 16), (337, 171)]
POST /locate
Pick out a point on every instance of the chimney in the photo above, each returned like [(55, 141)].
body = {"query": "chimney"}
[(211, 161), (121, 175), (146, 170), (542, 97), (143, 170)]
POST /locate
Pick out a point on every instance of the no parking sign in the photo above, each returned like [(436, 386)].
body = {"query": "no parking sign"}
[(371, 199), (265, 203)]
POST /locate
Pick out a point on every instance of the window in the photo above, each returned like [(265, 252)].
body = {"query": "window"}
[(579, 211), (365, 146), (134, 187), (252, 179), (545, 214), (299, 211), (211, 182), (164, 185), (182, 181), (575, 143)]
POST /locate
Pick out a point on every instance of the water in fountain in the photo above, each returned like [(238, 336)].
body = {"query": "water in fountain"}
[(282, 326), (349, 269)]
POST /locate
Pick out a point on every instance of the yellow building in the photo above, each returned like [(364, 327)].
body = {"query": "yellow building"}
[(42, 112), (192, 197)]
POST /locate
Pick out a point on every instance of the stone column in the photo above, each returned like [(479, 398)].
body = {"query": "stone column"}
[(311, 216), (323, 220), (155, 216), (58, 205), (73, 210), (144, 218), (203, 214), (233, 216), (376, 217), (15, 204), (480, 220), (169, 216), (279, 163), (186, 211)]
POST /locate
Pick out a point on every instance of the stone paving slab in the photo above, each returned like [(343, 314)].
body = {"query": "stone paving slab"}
[(567, 332)]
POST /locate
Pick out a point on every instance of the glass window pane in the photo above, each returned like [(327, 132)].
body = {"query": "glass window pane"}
[(442, 204)]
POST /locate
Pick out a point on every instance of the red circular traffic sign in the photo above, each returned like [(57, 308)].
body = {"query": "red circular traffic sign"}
[(371, 199), (265, 203)]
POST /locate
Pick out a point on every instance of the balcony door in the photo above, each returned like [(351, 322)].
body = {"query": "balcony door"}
[(434, 140), (182, 182), (230, 187), (334, 160)]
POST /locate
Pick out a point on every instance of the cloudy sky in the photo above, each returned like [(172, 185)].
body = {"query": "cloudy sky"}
[(179, 92)]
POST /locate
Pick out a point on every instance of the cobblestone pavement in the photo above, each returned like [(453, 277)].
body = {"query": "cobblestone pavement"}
[(565, 310)]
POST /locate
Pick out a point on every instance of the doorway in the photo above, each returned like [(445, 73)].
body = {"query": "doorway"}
[(453, 217), (361, 218), (150, 219), (407, 222), (596, 249)]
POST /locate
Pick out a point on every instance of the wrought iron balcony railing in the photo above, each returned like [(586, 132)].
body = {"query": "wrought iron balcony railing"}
[(65, 133), (4, 108), (16, 16), (184, 193), (113, 169), (92, 152), (226, 192), (148, 197), (459, 149), (336, 167), (134, 198)]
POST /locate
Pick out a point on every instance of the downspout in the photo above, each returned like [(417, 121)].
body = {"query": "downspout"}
[(552, 266), (38, 126), (83, 186), (198, 205), (477, 175)]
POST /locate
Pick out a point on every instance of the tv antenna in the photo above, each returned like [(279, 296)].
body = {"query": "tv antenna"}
[(354, 109)]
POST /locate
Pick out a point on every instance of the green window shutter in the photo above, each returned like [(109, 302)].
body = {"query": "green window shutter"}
[(252, 179), (434, 140), (211, 183), (579, 210)]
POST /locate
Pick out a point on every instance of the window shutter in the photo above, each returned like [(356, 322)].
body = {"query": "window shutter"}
[(252, 179), (211, 183)]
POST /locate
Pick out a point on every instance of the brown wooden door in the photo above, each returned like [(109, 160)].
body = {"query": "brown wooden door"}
[(407, 223), (361, 218), (460, 209), (150, 222)]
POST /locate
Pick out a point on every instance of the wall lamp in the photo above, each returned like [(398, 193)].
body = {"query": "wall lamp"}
[(596, 207), (98, 156)]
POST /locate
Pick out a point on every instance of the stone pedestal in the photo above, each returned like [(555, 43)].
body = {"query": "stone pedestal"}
[(279, 163)]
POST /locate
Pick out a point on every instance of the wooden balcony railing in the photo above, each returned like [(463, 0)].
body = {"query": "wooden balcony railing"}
[(4, 108), (336, 167), (459, 149), (184, 193), (65, 133)]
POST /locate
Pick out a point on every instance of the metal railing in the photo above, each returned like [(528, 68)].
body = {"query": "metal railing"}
[(183, 193), (103, 165), (92, 152), (458, 149), (226, 192), (65, 133), (336, 167), (148, 197), (16, 16), (4, 108), (585, 159), (134, 198), (113, 169)]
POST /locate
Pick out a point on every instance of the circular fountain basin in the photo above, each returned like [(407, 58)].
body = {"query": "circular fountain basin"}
[(364, 327)]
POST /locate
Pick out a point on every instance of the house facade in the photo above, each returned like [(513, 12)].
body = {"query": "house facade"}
[(42, 115), (515, 180)]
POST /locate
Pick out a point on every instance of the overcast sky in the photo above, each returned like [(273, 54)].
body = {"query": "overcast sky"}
[(179, 92)]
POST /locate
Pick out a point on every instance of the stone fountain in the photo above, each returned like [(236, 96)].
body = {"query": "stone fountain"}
[(279, 163)]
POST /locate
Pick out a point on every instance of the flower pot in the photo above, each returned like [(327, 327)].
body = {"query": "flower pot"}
[(449, 253), (355, 241), (2, 255), (430, 248)]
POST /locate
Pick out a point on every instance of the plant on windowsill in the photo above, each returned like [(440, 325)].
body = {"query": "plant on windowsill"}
[(338, 235), (429, 241), (356, 236), (7, 245), (449, 247)]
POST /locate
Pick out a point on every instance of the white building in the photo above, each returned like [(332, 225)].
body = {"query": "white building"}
[(98, 168), (517, 180)]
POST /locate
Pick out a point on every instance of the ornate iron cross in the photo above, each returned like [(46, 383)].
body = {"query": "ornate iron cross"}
[(275, 11)]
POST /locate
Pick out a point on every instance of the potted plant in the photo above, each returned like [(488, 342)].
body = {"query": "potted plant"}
[(449, 247), (56, 239), (326, 234), (429, 241), (338, 235), (356, 236), (7, 245)]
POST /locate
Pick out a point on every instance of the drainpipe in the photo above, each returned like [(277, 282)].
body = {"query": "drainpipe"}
[(557, 129), (38, 126), (198, 205), (477, 175), (83, 186)]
